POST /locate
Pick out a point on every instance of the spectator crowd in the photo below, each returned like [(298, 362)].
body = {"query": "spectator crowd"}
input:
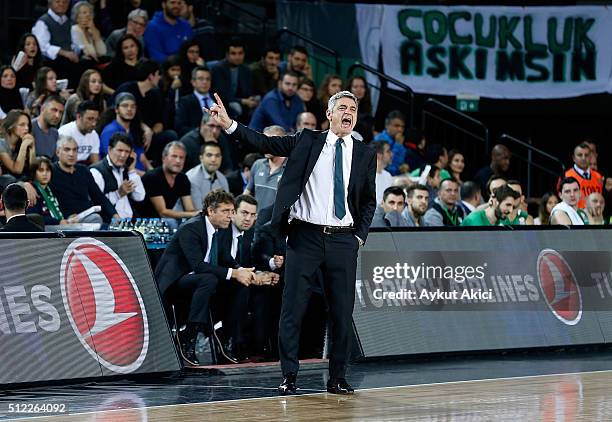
[(101, 117)]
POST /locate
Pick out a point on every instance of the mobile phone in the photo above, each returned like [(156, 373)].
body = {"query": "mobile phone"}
[(21, 57), (62, 84)]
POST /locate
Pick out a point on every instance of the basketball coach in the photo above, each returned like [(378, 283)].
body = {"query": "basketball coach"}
[(324, 205)]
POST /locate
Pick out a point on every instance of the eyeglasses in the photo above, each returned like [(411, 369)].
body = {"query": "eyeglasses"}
[(138, 23)]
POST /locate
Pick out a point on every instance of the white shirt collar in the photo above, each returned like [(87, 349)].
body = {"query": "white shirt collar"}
[(236, 231), (209, 227), (200, 96), (332, 138), (13, 216), (57, 18), (581, 172)]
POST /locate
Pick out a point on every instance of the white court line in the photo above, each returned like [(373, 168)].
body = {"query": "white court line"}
[(324, 392)]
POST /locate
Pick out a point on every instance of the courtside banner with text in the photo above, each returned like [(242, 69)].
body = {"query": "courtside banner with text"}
[(79, 307), (492, 51), (480, 290)]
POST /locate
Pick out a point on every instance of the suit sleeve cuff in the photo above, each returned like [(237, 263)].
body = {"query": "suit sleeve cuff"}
[(232, 128), (229, 274)]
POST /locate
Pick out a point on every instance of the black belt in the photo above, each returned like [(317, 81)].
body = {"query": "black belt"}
[(325, 229)]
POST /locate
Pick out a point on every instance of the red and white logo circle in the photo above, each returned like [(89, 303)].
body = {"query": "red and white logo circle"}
[(558, 283), (104, 305)]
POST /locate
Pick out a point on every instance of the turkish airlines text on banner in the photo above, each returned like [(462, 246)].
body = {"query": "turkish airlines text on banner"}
[(80, 307)]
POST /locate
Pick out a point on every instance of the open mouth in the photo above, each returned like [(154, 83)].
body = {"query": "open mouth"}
[(346, 122)]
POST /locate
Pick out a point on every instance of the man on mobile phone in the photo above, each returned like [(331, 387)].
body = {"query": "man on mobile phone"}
[(116, 177)]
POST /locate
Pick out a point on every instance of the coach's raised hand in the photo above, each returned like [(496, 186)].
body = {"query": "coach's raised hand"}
[(219, 114)]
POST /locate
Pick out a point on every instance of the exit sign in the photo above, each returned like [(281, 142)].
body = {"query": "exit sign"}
[(467, 103)]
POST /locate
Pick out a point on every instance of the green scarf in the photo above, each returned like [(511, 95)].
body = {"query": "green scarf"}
[(50, 201)]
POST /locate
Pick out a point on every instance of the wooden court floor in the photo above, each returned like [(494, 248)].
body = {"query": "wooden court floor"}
[(585, 396)]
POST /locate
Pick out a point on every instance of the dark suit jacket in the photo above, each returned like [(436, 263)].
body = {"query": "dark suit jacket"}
[(247, 260), (185, 253), (267, 244), (235, 182), (188, 114), (21, 223), (303, 150), (222, 81)]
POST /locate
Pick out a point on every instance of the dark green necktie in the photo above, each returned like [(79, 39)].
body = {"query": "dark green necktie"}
[(339, 209), (239, 251), (213, 257)]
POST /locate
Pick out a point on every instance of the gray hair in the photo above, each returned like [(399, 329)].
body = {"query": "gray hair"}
[(77, 8), (205, 118), (64, 140), (138, 13), (177, 144), (342, 94), (274, 130)]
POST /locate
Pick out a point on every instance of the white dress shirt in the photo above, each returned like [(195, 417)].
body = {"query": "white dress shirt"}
[(316, 204), (121, 203), (210, 231), (235, 234), (43, 36)]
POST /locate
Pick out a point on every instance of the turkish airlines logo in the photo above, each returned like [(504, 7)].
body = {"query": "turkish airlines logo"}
[(104, 305), (559, 286)]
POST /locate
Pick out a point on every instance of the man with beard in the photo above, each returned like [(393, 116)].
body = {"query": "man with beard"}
[(125, 113), (280, 107), (417, 203), (44, 127), (265, 72), (518, 217), (297, 61), (166, 185), (83, 131), (116, 177), (167, 31), (75, 187), (501, 204), (595, 206), (444, 210), (324, 205)]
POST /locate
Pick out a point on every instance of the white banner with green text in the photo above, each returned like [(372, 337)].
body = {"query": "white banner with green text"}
[(494, 51)]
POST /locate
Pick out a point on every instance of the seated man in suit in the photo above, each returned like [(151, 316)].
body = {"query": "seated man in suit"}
[(238, 239), (15, 202), (194, 264), (189, 109)]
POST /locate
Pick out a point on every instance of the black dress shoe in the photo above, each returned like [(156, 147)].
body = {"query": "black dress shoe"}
[(223, 350), (188, 345), (288, 385), (339, 386)]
